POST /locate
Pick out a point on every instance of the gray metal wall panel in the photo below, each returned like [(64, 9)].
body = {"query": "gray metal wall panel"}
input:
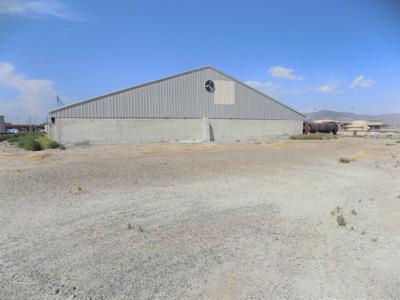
[(180, 97)]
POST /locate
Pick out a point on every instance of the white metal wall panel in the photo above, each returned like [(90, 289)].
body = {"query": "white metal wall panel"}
[(183, 96), (224, 92)]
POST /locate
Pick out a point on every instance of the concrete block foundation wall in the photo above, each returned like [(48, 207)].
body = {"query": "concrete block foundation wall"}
[(75, 131), (231, 130)]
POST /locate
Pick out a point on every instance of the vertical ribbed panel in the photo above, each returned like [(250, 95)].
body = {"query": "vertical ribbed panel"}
[(182, 96)]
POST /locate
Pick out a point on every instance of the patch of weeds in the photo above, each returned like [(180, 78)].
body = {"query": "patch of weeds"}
[(4, 137), (398, 142), (32, 141), (374, 240), (337, 211), (62, 147), (130, 226), (345, 160), (140, 229), (389, 144), (28, 141), (313, 136), (341, 221), (355, 133), (363, 232), (354, 212)]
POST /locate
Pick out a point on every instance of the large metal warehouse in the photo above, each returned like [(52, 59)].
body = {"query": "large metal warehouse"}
[(203, 104)]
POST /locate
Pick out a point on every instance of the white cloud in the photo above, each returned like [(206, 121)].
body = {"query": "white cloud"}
[(34, 97), (266, 87), (38, 8), (329, 88), (360, 82), (326, 89), (284, 73)]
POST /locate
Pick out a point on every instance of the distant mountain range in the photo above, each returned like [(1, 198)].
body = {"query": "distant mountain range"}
[(389, 119)]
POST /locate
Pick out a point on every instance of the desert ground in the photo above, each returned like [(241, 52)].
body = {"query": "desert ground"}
[(249, 220)]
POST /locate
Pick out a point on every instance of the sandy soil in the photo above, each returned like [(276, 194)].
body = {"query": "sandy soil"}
[(215, 221)]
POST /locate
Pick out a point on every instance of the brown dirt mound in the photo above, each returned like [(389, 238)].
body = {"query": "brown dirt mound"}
[(36, 157)]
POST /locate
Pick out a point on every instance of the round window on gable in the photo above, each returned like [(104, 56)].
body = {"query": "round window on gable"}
[(210, 87)]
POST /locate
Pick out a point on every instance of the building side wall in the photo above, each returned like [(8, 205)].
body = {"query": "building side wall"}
[(124, 131), (70, 131), (230, 130), (183, 96)]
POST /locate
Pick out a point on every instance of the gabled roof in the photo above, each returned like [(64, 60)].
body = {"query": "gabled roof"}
[(167, 78), (257, 91)]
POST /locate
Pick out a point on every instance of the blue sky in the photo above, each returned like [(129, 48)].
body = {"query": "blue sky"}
[(310, 54)]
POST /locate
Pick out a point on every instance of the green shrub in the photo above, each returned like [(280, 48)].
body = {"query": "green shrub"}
[(3, 137), (62, 147), (30, 144), (53, 145), (35, 146), (44, 141)]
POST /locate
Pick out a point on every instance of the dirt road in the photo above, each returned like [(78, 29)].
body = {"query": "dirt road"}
[(217, 221)]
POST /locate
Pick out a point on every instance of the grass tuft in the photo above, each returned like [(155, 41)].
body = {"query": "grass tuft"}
[(340, 220), (345, 160)]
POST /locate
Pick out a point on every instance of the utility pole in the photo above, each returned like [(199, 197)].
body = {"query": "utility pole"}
[(34, 123)]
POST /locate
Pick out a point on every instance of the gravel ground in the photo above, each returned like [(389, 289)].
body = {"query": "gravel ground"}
[(216, 221)]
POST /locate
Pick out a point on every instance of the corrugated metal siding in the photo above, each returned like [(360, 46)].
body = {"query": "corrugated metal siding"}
[(180, 97)]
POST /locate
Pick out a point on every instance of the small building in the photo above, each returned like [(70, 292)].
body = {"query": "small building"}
[(203, 104), (375, 125), (363, 125), (2, 125)]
